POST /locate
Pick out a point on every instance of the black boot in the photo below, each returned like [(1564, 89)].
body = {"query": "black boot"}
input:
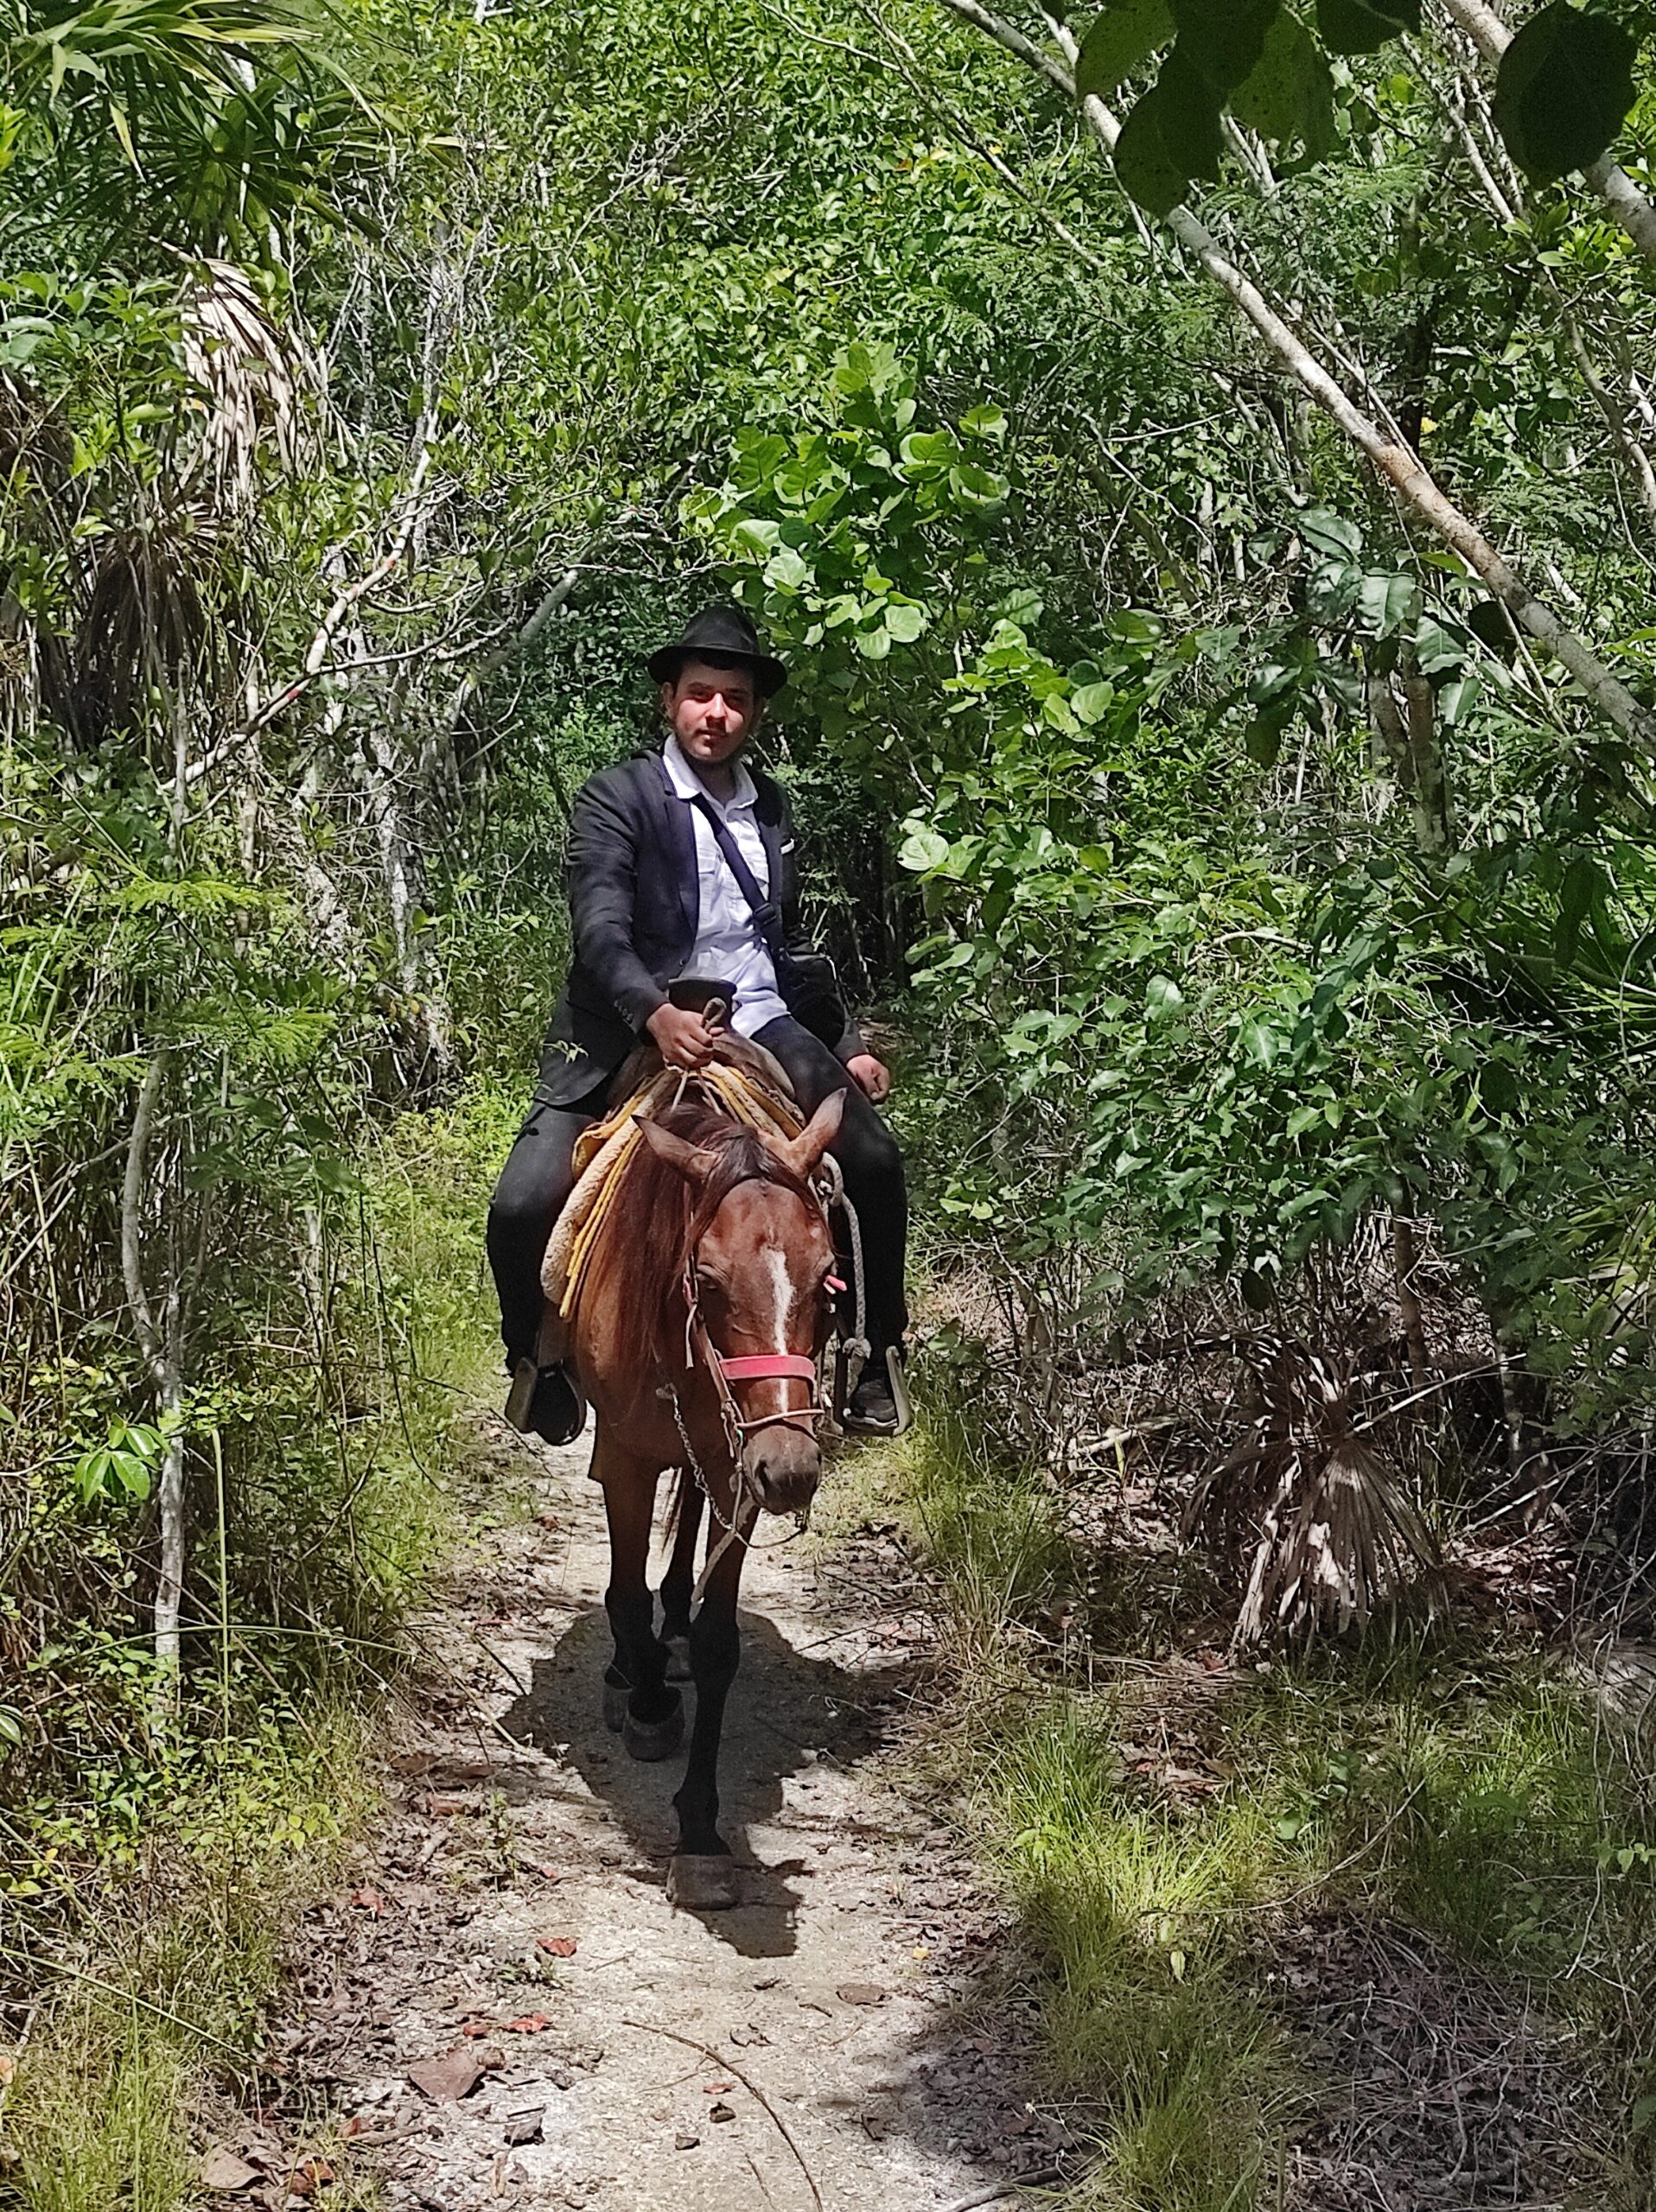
[(545, 1402), (873, 1408)]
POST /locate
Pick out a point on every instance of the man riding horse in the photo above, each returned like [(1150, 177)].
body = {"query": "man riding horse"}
[(682, 862)]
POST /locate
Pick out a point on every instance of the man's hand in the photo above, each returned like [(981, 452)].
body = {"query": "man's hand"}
[(872, 1077), (682, 1038)]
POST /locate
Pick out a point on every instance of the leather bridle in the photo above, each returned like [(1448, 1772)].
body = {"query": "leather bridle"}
[(726, 1369)]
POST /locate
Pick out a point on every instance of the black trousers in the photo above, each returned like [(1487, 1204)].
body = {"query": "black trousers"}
[(539, 1174)]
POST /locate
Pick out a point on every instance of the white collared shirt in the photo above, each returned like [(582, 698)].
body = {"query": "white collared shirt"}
[(728, 942)]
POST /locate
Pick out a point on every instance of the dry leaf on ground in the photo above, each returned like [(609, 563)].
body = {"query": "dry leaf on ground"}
[(223, 2170), (454, 2073), (861, 1993), (560, 1947)]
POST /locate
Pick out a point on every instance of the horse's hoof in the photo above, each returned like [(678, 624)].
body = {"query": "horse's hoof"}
[(654, 1740), (702, 1881), (678, 1659), (615, 1697)]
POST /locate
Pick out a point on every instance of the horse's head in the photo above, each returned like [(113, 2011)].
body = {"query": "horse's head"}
[(761, 1258)]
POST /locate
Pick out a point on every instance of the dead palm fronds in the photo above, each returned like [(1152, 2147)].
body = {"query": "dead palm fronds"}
[(253, 379), (1337, 1538)]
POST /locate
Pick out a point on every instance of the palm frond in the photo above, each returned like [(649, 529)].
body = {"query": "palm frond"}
[(1337, 1538), (252, 378)]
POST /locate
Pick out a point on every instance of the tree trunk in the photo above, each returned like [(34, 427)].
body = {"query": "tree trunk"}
[(1405, 1258), (162, 1349)]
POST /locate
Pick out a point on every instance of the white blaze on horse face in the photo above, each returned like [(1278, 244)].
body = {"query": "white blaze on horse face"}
[(782, 1288)]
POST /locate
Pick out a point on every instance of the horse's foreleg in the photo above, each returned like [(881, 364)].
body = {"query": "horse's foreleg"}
[(703, 1875), (678, 1583), (652, 1718)]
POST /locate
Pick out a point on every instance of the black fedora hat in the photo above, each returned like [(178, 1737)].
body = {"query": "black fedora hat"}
[(726, 636)]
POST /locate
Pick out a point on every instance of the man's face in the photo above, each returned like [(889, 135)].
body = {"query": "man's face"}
[(713, 711)]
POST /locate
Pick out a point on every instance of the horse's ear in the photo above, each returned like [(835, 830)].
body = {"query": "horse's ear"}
[(693, 1161), (803, 1153)]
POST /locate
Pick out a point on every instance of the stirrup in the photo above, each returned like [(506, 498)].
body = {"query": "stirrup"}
[(845, 1390), (899, 1388), (521, 1394), (523, 1398)]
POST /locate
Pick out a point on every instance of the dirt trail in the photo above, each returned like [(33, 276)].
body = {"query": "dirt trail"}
[(851, 2066)]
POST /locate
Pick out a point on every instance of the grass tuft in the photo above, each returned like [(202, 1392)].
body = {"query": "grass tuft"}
[(1141, 2007), (1163, 1841)]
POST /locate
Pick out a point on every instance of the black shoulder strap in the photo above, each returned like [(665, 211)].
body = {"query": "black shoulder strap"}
[(768, 917)]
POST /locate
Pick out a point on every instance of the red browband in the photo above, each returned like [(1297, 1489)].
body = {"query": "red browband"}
[(761, 1366)]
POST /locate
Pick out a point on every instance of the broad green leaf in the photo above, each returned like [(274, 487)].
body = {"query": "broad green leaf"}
[(753, 535), (1330, 534), (1365, 26), (1584, 881), (1223, 39), (1289, 93), (1435, 650), (786, 570), (1172, 138), (1456, 699), (922, 849), (928, 449), (904, 624), (1564, 89), (1258, 1041), (1091, 702), (1124, 34), (1263, 739), (1163, 996), (985, 422), (1385, 602), (979, 487)]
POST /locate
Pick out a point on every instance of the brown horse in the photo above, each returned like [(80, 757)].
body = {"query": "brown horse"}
[(705, 1303)]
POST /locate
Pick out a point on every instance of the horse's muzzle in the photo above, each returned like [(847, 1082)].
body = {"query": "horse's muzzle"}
[(783, 1466)]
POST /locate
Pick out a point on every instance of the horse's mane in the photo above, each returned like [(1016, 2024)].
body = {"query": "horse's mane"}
[(656, 1218)]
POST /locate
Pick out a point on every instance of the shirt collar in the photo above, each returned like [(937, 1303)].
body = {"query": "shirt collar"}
[(688, 785)]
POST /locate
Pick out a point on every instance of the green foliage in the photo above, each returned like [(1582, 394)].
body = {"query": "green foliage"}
[(1565, 91), (1231, 1048), (170, 1992), (1120, 38), (1566, 82), (123, 1466)]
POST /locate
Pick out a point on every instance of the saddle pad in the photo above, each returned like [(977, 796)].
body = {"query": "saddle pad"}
[(743, 1082)]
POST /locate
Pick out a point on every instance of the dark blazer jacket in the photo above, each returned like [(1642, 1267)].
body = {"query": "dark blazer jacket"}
[(634, 905)]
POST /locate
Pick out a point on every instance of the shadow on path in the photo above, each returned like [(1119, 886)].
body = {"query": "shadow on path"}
[(786, 1714)]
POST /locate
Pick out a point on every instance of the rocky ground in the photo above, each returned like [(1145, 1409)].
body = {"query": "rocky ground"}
[(501, 2007)]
